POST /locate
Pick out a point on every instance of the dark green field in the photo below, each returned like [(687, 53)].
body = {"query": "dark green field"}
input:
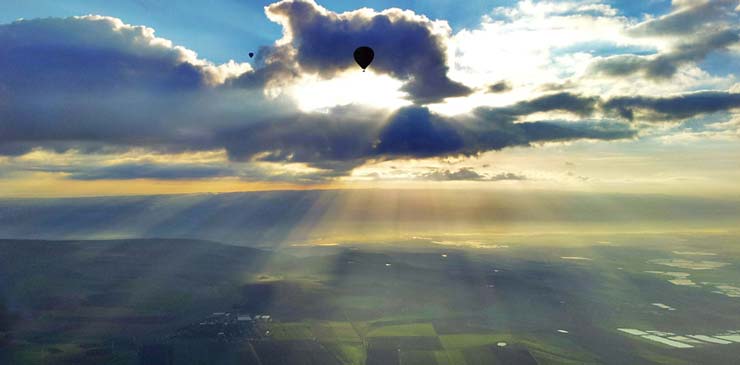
[(532, 300)]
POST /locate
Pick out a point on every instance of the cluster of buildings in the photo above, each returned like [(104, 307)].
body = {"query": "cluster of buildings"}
[(228, 325)]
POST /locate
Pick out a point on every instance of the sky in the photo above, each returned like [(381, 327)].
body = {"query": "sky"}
[(151, 97)]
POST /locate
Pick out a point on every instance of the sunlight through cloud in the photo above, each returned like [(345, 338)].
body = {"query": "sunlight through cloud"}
[(358, 88)]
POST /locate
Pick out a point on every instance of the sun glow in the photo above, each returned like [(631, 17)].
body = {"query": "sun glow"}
[(360, 88)]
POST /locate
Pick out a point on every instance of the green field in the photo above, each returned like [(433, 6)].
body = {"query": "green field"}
[(91, 302)]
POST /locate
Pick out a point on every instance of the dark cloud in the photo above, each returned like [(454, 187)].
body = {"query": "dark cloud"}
[(500, 87), (689, 20), (103, 122), (93, 53), (416, 132), (558, 86), (61, 88), (120, 108), (347, 137), (339, 140), (538, 132), (344, 138), (167, 115), (93, 82), (407, 46), (664, 65), (673, 108), (277, 67), (562, 102)]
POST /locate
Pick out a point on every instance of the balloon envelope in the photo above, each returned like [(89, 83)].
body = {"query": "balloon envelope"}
[(364, 56), (251, 54)]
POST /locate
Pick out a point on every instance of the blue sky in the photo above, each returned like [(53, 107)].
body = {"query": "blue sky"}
[(229, 29), (143, 97)]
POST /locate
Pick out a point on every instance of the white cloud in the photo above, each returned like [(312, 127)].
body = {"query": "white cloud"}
[(523, 46), (534, 44)]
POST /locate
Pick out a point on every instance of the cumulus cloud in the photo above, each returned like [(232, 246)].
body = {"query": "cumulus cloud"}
[(99, 86), (278, 68), (689, 18), (98, 52), (536, 42), (500, 87), (562, 101), (464, 173), (347, 137), (507, 176), (665, 65), (94, 83), (407, 46), (673, 107), (469, 174), (605, 52), (118, 108), (693, 31)]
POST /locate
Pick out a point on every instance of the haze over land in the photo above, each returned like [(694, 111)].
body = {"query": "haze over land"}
[(277, 218)]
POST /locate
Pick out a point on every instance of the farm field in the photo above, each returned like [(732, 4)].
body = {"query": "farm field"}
[(409, 301)]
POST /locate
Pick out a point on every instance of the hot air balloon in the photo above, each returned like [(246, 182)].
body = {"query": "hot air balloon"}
[(364, 56), (251, 54)]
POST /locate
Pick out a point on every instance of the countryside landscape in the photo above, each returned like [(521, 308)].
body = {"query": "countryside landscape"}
[(440, 298)]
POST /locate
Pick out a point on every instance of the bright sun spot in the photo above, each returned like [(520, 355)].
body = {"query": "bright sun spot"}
[(360, 88)]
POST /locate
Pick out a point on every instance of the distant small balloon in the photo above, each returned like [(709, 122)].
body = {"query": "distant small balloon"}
[(364, 56), (251, 54)]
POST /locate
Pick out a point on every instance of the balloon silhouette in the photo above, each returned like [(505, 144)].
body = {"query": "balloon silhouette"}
[(251, 54), (364, 56)]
